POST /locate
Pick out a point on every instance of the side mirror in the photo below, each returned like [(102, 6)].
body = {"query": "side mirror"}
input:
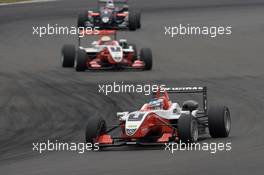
[(122, 115)]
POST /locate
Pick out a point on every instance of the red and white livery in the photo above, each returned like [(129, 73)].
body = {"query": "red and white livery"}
[(106, 53), (161, 121)]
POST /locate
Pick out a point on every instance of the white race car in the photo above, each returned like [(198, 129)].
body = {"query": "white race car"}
[(161, 121), (106, 53)]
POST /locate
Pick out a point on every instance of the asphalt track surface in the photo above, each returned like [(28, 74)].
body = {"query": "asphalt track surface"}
[(39, 100)]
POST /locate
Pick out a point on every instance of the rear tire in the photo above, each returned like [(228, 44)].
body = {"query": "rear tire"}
[(146, 57), (95, 127), (68, 55), (82, 18), (80, 62), (132, 21), (219, 121), (188, 129)]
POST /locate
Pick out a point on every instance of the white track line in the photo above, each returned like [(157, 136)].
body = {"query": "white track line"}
[(25, 2)]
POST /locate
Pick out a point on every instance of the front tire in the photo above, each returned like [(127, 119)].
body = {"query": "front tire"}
[(135, 56), (82, 18), (188, 129), (80, 62), (219, 121), (95, 127), (146, 57), (68, 55)]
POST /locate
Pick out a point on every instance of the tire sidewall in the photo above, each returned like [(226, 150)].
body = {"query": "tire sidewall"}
[(80, 61), (134, 46), (188, 129), (82, 18), (68, 55), (94, 128), (218, 116), (138, 19), (146, 57), (132, 21)]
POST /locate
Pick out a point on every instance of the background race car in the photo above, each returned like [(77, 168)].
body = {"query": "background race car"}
[(111, 14), (161, 121), (106, 53)]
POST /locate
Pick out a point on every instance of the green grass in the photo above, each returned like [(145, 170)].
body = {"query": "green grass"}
[(9, 1)]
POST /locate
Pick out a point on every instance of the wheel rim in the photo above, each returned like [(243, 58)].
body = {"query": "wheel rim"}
[(62, 58), (195, 134), (75, 63), (227, 121)]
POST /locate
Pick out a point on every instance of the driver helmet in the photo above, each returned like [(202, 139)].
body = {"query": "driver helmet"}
[(110, 4), (105, 38), (156, 104)]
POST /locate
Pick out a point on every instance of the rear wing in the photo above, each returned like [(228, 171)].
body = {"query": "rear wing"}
[(190, 90), (97, 32), (116, 2), (200, 89)]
